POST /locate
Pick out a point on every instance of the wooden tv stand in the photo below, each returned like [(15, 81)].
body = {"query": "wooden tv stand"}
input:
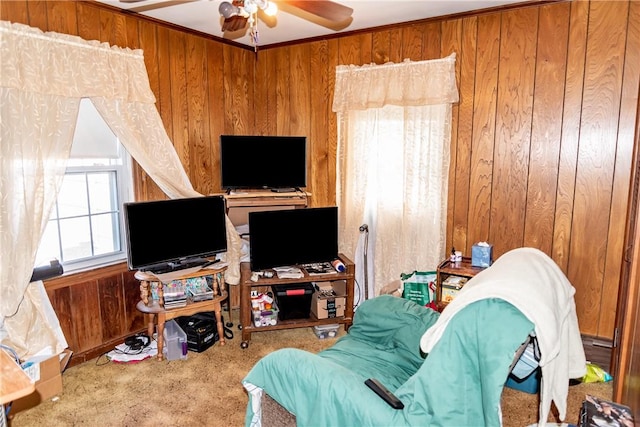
[(240, 203), (155, 312), (246, 285)]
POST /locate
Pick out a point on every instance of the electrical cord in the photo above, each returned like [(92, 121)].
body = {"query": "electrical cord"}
[(98, 363), (228, 333), (357, 302)]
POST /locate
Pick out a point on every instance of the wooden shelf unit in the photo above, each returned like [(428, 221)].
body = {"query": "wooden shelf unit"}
[(239, 204), (246, 285), (448, 268)]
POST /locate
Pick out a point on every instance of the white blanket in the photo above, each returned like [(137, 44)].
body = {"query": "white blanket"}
[(532, 282)]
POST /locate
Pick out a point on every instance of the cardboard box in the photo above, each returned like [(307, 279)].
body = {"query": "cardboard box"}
[(47, 374), (324, 305)]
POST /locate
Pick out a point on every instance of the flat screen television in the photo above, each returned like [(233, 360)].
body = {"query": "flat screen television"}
[(292, 237), (278, 163), (167, 235)]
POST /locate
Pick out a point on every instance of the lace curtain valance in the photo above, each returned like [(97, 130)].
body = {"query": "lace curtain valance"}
[(73, 67), (404, 84)]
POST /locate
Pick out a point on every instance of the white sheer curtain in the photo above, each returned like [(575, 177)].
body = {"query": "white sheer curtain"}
[(394, 134), (43, 76)]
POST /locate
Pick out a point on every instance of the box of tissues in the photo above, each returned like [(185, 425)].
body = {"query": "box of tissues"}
[(481, 254)]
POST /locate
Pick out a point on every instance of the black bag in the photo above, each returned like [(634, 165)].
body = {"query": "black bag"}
[(202, 330)]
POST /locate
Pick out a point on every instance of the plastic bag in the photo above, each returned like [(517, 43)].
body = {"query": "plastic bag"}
[(595, 374), (420, 287)]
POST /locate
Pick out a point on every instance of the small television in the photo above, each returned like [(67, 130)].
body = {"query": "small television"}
[(278, 163), (166, 235), (292, 237)]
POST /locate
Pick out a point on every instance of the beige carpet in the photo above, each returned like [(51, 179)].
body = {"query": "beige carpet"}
[(205, 389)]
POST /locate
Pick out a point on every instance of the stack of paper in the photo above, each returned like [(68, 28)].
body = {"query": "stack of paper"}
[(289, 273)]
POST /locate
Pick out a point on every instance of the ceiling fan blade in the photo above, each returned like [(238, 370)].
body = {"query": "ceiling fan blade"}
[(326, 9), (234, 23)]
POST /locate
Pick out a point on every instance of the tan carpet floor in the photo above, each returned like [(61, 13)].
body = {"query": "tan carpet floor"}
[(205, 389)]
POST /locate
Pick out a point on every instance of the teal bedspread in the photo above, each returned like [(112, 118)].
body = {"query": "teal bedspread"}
[(458, 384)]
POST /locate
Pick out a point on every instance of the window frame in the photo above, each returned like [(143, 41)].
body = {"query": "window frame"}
[(123, 168)]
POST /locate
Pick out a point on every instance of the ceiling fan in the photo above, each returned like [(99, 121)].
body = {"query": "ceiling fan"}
[(236, 15)]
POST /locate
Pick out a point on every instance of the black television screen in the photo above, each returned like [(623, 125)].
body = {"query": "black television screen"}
[(170, 234), (256, 162), (292, 237)]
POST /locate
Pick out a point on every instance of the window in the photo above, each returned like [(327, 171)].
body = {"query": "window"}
[(85, 228)]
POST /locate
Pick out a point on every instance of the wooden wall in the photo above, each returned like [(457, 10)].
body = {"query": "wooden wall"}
[(96, 309), (542, 135)]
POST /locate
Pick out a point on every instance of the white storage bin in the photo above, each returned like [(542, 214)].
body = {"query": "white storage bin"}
[(175, 341), (326, 331)]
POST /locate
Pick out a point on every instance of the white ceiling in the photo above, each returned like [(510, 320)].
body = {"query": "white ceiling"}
[(287, 26)]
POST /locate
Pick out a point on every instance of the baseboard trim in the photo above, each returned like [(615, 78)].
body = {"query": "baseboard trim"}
[(598, 351)]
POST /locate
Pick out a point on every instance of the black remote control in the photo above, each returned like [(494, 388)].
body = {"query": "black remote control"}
[(384, 393)]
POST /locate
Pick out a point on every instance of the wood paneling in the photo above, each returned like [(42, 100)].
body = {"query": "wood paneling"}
[(61, 17), (200, 146), (474, 225), (61, 301), (542, 134), (111, 312), (604, 65), (37, 14), (215, 105), (134, 319), (319, 177), (570, 138), (551, 60), (86, 321), (96, 309), (622, 174), (15, 11), (179, 102), (516, 72), (462, 125), (626, 360), (282, 88)]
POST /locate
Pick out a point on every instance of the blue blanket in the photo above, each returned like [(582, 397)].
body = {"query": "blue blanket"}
[(459, 383)]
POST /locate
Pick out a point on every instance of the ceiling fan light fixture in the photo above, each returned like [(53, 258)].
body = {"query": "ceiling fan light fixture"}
[(270, 9), (227, 10), (250, 7)]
